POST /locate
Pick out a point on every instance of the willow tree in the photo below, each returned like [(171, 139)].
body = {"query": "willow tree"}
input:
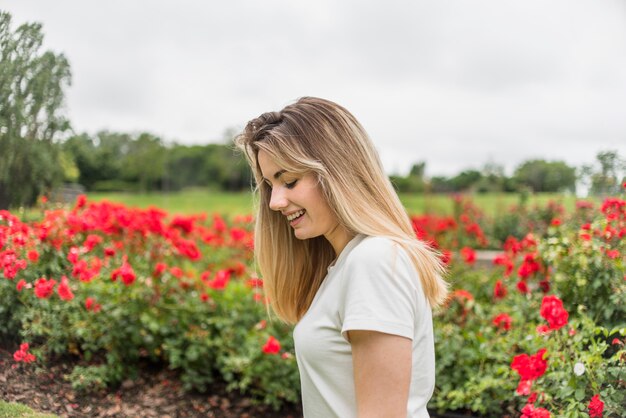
[(31, 113)]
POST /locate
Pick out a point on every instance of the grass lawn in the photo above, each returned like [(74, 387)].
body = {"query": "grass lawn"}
[(196, 201), (12, 410), (201, 200)]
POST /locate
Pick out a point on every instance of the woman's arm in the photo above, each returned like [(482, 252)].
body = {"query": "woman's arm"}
[(382, 373)]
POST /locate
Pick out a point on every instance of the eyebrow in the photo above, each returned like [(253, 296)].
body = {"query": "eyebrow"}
[(277, 174)]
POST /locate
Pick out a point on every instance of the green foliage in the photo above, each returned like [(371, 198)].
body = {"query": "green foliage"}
[(605, 181), (205, 331), (546, 176), (16, 410), (31, 100), (120, 162), (586, 273)]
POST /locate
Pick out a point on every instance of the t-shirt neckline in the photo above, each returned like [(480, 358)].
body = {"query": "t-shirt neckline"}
[(355, 240)]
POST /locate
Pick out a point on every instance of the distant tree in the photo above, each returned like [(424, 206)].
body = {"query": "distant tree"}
[(412, 183), (441, 184), (31, 119), (465, 180), (144, 162), (606, 180), (418, 169), (546, 176)]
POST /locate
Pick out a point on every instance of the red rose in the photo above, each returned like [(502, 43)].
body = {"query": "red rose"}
[(44, 288), (552, 310), (499, 290), (529, 411), (469, 255), (530, 367), (64, 290), (596, 407), (272, 346), (502, 321)]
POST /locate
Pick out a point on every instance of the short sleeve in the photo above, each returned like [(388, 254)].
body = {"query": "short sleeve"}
[(380, 289)]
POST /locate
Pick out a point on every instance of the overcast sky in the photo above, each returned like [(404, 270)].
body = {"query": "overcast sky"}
[(454, 83)]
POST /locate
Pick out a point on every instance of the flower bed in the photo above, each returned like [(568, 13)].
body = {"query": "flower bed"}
[(541, 330)]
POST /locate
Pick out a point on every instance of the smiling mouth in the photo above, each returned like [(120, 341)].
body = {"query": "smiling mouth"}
[(295, 215)]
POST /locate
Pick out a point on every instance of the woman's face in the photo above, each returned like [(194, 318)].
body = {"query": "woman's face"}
[(300, 200)]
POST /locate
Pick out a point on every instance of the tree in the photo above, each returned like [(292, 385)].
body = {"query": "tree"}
[(31, 119), (145, 162), (546, 176), (606, 180), (465, 180)]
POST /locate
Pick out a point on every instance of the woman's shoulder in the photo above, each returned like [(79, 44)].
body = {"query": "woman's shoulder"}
[(372, 249)]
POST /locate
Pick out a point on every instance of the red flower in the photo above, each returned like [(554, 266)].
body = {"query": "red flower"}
[(159, 269), (33, 256), (544, 285), (502, 321), (237, 234), (612, 254), (218, 224), (220, 281), (272, 346), (529, 411), (81, 201), (44, 288), (524, 387), (188, 248), (552, 311), (64, 290), (183, 223), (22, 355), (20, 285), (446, 257), (126, 272), (596, 407), (530, 367), (91, 305), (254, 282), (91, 241), (555, 222), (522, 287), (617, 341), (177, 272), (543, 329), (499, 291), (529, 266), (469, 255), (504, 260)]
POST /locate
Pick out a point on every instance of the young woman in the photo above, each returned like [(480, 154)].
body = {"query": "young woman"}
[(340, 259)]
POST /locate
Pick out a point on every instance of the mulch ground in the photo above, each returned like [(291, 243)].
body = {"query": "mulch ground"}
[(156, 393)]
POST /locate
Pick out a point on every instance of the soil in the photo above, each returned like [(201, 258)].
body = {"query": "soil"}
[(156, 393)]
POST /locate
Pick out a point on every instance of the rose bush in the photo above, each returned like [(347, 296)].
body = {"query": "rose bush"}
[(540, 332)]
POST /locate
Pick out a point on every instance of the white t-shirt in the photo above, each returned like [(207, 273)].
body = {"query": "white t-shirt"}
[(371, 286)]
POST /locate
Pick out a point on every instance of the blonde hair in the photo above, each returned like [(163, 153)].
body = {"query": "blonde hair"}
[(319, 136)]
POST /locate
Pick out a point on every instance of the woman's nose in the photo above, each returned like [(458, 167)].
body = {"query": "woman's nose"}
[(278, 201)]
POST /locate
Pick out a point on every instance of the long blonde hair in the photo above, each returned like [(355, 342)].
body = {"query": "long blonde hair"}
[(319, 136)]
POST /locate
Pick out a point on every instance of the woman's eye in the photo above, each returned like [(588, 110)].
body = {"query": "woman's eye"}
[(291, 185)]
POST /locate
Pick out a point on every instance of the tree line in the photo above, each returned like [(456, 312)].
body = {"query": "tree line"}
[(39, 150), (604, 176), (111, 161)]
